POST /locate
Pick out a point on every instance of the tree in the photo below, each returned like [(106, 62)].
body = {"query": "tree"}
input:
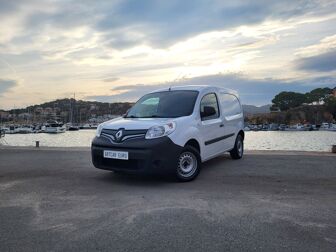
[(318, 94), (330, 104), (274, 108), (287, 100)]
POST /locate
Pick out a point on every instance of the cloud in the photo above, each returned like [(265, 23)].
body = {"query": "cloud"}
[(81, 46), (111, 79), (252, 91), (162, 23), (324, 62), (6, 85), (130, 87), (325, 45), (123, 40), (320, 57), (7, 7)]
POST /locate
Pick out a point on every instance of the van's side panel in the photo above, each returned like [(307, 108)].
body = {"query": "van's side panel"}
[(233, 116)]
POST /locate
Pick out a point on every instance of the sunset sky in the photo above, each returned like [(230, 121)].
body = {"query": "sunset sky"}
[(118, 50)]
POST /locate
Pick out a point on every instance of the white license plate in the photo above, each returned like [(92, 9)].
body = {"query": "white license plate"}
[(116, 154)]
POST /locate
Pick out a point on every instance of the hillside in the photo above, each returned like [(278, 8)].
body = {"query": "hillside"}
[(254, 110), (313, 114), (78, 111), (66, 110), (83, 111)]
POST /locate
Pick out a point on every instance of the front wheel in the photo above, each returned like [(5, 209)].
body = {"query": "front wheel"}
[(238, 150), (188, 164)]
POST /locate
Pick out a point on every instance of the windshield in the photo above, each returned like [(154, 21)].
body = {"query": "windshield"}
[(166, 104)]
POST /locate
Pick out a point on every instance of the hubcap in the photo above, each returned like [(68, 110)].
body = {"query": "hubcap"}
[(187, 164), (240, 147)]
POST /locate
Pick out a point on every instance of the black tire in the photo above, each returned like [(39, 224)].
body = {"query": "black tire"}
[(238, 151), (188, 164)]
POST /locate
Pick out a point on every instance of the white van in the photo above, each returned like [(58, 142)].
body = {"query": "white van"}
[(173, 129)]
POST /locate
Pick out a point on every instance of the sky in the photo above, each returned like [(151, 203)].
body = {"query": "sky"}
[(118, 50)]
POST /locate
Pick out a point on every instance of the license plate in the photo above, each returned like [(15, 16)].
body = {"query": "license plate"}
[(116, 154)]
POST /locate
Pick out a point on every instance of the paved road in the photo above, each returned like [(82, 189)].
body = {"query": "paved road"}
[(54, 200)]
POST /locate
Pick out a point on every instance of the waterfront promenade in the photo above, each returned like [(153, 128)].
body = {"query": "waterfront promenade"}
[(53, 199)]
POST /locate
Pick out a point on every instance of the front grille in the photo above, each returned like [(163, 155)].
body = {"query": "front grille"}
[(110, 134)]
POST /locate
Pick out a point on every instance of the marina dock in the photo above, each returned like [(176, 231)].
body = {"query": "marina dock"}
[(54, 199)]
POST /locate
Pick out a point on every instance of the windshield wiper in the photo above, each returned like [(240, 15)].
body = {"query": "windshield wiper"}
[(152, 116)]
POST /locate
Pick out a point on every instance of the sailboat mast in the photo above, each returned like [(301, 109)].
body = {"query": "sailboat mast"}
[(70, 111), (74, 107)]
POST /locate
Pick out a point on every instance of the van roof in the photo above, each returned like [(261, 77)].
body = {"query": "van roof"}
[(200, 88)]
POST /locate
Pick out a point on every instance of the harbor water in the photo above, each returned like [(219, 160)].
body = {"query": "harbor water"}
[(260, 140)]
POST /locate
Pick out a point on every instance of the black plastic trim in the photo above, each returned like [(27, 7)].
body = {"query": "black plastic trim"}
[(145, 155), (110, 134), (217, 139)]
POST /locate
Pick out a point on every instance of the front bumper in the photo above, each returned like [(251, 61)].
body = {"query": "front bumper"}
[(145, 155)]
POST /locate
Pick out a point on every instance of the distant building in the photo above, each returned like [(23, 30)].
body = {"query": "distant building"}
[(104, 118), (47, 111), (39, 110), (25, 116), (4, 114), (93, 107), (315, 103)]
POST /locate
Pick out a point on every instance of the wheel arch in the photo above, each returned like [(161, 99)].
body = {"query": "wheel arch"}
[(242, 133), (194, 143)]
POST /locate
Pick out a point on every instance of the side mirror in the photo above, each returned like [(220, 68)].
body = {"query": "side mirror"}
[(208, 111)]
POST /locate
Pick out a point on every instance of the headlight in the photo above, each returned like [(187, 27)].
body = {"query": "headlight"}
[(99, 129), (160, 130)]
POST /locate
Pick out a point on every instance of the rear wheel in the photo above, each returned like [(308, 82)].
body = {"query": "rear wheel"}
[(238, 151), (188, 164)]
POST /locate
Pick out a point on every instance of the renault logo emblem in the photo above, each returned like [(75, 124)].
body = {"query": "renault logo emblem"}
[(119, 135)]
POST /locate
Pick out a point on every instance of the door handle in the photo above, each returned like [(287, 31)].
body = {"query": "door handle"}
[(221, 125)]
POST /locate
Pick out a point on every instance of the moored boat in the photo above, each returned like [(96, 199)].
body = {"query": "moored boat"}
[(328, 127), (2, 132), (12, 129), (54, 127), (71, 126), (297, 127), (25, 129)]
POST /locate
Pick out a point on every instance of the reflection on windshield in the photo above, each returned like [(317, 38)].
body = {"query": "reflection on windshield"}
[(166, 104)]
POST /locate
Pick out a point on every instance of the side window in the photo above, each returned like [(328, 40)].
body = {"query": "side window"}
[(230, 104), (209, 107)]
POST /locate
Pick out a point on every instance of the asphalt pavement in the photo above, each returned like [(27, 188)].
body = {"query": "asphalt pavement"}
[(55, 200)]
